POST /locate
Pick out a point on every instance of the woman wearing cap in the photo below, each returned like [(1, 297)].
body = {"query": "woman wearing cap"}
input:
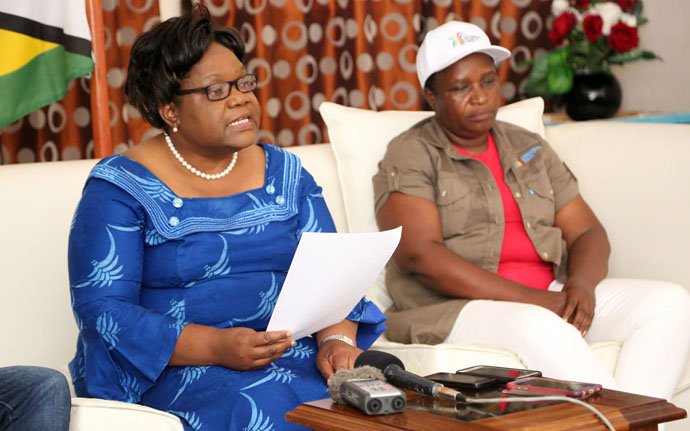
[(179, 249), (498, 246)]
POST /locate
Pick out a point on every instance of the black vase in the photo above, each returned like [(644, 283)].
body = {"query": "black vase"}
[(593, 96)]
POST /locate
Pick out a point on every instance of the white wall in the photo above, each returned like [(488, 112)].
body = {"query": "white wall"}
[(662, 86)]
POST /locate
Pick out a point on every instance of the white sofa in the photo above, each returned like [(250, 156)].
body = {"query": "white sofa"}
[(631, 174)]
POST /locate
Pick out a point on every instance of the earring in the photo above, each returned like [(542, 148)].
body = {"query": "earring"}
[(174, 129)]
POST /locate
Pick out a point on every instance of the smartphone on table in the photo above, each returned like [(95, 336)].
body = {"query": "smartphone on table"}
[(547, 386), (462, 381), (500, 374)]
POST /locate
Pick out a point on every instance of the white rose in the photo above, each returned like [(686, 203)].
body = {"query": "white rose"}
[(629, 20), (610, 13), (559, 6)]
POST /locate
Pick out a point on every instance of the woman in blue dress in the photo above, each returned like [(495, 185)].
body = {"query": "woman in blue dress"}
[(179, 249)]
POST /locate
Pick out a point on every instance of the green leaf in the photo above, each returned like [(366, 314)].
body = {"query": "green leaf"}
[(540, 68), (558, 57), (649, 55), (637, 11), (560, 74), (537, 89), (625, 57), (551, 74), (560, 79), (636, 54), (536, 81)]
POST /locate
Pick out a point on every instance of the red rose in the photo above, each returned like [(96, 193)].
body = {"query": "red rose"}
[(592, 26), (561, 27), (626, 5), (623, 38)]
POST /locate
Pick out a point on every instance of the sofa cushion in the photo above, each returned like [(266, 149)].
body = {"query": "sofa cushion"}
[(318, 159)]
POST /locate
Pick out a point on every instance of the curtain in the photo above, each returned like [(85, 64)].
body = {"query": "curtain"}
[(361, 53), (358, 53)]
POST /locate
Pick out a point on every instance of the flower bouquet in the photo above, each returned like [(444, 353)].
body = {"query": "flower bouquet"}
[(589, 35)]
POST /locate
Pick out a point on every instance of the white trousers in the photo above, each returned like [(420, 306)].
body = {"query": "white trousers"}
[(651, 320)]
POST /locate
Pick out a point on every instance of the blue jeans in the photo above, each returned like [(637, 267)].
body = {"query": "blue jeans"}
[(33, 399)]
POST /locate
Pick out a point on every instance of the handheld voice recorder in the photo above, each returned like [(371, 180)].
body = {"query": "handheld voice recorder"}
[(373, 397)]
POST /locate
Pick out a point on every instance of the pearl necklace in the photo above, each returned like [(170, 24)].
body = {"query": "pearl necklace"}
[(194, 170)]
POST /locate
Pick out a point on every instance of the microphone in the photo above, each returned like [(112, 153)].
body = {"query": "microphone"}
[(335, 382), (365, 388), (394, 372)]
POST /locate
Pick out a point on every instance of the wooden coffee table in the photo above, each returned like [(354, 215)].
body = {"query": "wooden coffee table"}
[(625, 411)]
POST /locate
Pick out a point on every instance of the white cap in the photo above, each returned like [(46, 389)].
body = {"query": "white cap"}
[(451, 42)]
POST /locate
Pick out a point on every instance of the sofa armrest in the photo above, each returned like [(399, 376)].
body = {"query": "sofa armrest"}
[(103, 415)]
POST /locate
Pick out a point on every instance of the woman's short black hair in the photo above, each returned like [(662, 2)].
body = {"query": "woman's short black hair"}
[(431, 82), (163, 56)]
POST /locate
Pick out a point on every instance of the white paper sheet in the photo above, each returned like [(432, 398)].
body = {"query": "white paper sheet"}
[(329, 274)]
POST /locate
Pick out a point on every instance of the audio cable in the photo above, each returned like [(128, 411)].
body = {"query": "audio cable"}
[(593, 409)]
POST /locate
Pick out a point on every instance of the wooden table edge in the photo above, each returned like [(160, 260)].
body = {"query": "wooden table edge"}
[(625, 411)]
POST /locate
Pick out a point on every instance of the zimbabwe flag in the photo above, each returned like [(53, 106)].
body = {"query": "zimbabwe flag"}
[(44, 44)]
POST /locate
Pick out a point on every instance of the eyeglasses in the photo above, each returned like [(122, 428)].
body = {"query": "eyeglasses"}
[(221, 90)]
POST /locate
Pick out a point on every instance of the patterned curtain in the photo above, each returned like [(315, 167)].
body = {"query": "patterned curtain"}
[(361, 53), (358, 53)]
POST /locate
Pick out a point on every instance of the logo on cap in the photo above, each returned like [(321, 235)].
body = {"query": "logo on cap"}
[(461, 39)]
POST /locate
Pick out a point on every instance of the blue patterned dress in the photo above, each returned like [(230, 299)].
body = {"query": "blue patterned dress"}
[(144, 262)]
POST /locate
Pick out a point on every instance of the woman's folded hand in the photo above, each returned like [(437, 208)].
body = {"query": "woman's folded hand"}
[(580, 302), (246, 349)]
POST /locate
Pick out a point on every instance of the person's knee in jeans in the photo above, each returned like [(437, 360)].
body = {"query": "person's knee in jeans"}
[(56, 389), (52, 393), (34, 398)]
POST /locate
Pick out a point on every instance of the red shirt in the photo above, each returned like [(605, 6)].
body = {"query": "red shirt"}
[(519, 260)]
